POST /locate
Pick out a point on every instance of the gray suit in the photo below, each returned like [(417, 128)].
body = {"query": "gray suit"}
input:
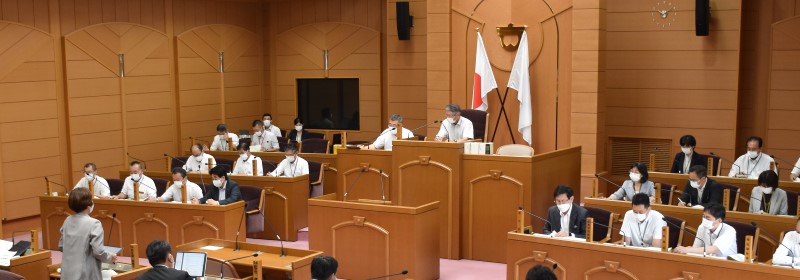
[(778, 203), (82, 246), (627, 190)]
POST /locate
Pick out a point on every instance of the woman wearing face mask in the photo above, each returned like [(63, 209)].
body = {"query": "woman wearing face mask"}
[(687, 157), (82, 240), (298, 134), (767, 197), (638, 183), (791, 241)]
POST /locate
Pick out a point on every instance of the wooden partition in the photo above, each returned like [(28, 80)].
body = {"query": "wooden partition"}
[(360, 174), (30, 266)]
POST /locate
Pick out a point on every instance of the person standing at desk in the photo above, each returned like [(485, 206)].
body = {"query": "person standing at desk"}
[(791, 240), (99, 184), (565, 218), (147, 188), (638, 183), (700, 190), (641, 226), (767, 197), (225, 191), (82, 240), (455, 128), (220, 142), (687, 157), (199, 160), (719, 238), (292, 166), (751, 164)]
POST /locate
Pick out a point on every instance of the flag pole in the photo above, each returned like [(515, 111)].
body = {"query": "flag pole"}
[(504, 114)]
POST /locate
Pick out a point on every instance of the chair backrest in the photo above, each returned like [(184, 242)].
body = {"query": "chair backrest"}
[(8, 275), (666, 193), (420, 137), (268, 165), (215, 266), (315, 135), (479, 119), (715, 165), (177, 162), (115, 185), (603, 217), (791, 202), (515, 150), (676, 226), (314, 171), (204, 187), (313, 145), (161, 186), (742, 230), (733, 196), (224, 161), (245, 141), (251, 196)]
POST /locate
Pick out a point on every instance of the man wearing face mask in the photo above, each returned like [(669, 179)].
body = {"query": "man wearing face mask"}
[(719, 237), (384, 140), (147, 188), (566, 218), (455, 128), (264, 139), (220, 142), (292, 166), (782, 255), (244, 164), (179, 180), (225, 191), (159, 254), (269, 126), (641, 226), (751, 164), (687, 157), (99, 184), (198, 162), (700, 190), (767, 197), (298, 134)]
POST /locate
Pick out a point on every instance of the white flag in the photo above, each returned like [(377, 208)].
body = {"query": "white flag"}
[(484, 77), (520, 80)]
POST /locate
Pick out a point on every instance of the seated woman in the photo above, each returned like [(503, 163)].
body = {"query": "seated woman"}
[(298, 134), (767, 197), (782, 254), (638, 183)]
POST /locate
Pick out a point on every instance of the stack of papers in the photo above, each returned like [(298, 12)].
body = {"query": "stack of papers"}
[(210, 248)]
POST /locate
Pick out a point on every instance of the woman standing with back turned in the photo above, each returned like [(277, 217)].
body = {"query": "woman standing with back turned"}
[(82, 240)]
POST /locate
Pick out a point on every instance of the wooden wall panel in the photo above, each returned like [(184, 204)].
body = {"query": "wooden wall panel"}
[(784, 91)]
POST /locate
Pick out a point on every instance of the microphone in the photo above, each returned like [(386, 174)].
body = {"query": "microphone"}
[(57, 184), (382, 133), (111, 228), (419, 127), (686, 231), (404, 272), (787, 162), (722, 158), (352, 185), (244, 213), (142, 161), (624, 244), (609, 181), (179, 160), (283, 251), (444, 125), (535, 216), (773, 237), (383, 193), (222, 265)]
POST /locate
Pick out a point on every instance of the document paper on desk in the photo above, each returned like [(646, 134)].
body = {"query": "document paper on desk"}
[(192, 262), (210, 248)]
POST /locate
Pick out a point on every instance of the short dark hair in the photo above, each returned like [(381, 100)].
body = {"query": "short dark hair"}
[(179, 170), (699, 170), (452, 107), (642, 170), (243, 146), (563, 189), (688, 140), (219, 170), (157, 252), (298, 120), (266, 115), (257, 123), (136, 162), (768, 178), (540, 272), (92, 165), (291, 147), (79, 199), (199, 147), (716, 210), (322, 267), (757, 139), (641, 199), (222, 127)]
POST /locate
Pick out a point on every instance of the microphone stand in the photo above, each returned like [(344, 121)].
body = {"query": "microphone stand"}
[(419, 127), (536, 216), (222, 265), (732, 163), (609, 181), (686, 231), (776, 239), (244, 213), (383, 193), (404, 272), (57, 184), (352, 185)]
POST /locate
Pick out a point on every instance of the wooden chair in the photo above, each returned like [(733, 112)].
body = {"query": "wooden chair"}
[(604, 217), (268, 165), (316, 177), (676, 227), (730, 196), (176, 162), (115, 185), (515, 150), (8, 275), (254, 197), (312, 145), (791, 202), (315, 135), (479, 121), (713, 165), (666, 192), (224, 161), (216, 266), (742, 230), (336, 139), (161, 186)]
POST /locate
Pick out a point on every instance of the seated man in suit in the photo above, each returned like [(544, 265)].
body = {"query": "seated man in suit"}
[(751, 164), (220, 142), (687, 157), (198, 161), (455, 128), (173, 193), (791, 240), (719, 238), (147, 188), (641, 226), (263, 138), (99, 184), (244, 164), (159, 254), (324, 268), (225, 191), (565, 218), (292, 166), (700, 190), (269, 126)]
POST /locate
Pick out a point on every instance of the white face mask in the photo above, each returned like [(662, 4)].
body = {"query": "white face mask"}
[(706, 223), (178, 184), (752, 154), (291, 158), (635, 177), (243, 157), (267, 123), (766, 190), (257, 133), (641, 217), (136, 176), (451, 120), (298, 127), (564, 207), (217, 183), (686, 150), (89, 176), (694, 184)]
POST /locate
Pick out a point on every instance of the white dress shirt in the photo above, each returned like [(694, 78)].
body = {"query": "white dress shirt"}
[(751, 167), (291, 169), (275, 130), (221, 145), (245, 167), (565, 219), (724, 238), (267, 140), (174, 192), (100, 186), (782, 255), (221, 196), (199, 163), (385, 140), (454, 132), (796, 170), (642, 234), (147, 188)]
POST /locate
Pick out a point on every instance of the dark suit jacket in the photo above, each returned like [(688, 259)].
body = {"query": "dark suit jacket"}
[(697, 159), (577, 220), (232, 193), (292, 136), (712, 193), (164, 273)]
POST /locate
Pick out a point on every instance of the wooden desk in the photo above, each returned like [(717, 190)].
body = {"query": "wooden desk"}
[(581, 260), (331, 173), (124, 271), (140, 222), (359, 173), (371, 240), (774, 224), (32, 266), (295, 265)]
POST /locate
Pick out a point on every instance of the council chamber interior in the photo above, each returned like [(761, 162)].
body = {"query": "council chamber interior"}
[(418, 139)]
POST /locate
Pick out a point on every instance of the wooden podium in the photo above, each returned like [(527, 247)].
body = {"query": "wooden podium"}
[(371, 240), (31, 266), (360, 174)]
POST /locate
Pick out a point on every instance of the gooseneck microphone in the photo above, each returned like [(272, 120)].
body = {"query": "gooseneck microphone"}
[(353, 184), (535, 216), (726, 160), (773, 237), (404, 272), (686, 231), (111, 227), (419, 127), (222, 264), (244, 213), (57, 184)]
